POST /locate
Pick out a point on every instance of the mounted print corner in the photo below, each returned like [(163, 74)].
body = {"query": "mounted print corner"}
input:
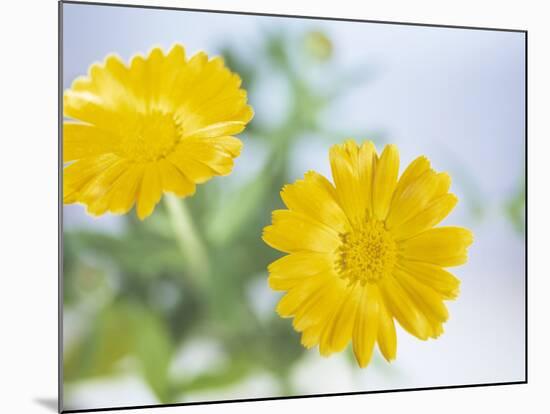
[(263, 206)]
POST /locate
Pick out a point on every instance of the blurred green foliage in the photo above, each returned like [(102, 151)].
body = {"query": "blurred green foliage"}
[(138, 299), (515, 207)]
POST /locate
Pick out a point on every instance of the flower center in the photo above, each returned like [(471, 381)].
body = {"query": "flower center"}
[(152, 137), (367, 253)]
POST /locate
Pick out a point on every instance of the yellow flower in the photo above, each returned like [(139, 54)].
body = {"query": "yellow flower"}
[(161, 124), (363, 252)]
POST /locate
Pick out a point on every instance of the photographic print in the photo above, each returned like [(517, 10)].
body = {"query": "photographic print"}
[(260, 206)]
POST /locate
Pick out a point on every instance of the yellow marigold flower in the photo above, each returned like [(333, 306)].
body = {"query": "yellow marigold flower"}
[(161, 124), (363, 252)]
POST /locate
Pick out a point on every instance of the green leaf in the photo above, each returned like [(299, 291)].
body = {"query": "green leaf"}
[(120, 330), (153, 349), (98, 351), (146, 256), (515, 208)]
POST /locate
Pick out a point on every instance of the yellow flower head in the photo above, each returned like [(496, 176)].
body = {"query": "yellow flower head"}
[(161, 124), (364, 251)]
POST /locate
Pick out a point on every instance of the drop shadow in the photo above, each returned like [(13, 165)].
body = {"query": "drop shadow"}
[(49, 403)]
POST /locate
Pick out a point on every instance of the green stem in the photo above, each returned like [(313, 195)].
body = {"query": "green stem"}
[(191, 245)]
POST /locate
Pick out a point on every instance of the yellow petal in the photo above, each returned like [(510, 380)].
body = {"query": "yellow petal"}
[(443, 246), (434, 276), (200, 73), (365, 329), (245, 114), (444, 184), (123, 193), (95, 194), (199, 92), (344, 164), (385, 181), (426, 299), (367, 165), (219, 161), (401, 306), (155, 72), (430, 216), (112, 73), (89, 108), (110, 82), (201, 159), (194, 170), (217, 130), (84, 141), (311, 336), (292, 301), (413, 199), (352, 168), (286, 272), (81, 172), (228, 144), (414, 170), (104, 98), (338, 331), (213, 87), (217, 153), (294, 232), (387, 338), (314, 196), (317, 310), (139, 82), (173, 180), (150, 191), (209, 93), (234, 108), (173, 63)]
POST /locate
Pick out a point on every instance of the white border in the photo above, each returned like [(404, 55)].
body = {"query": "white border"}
[(28, 216)]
